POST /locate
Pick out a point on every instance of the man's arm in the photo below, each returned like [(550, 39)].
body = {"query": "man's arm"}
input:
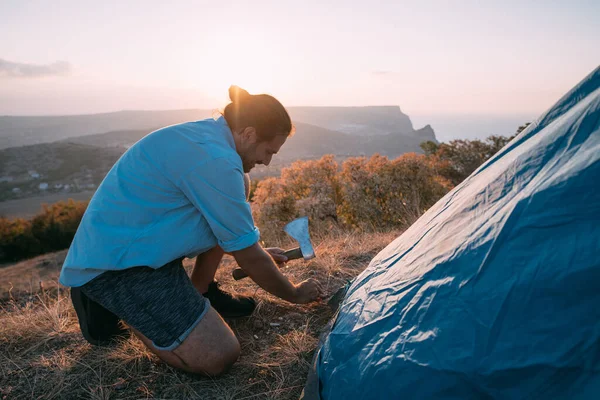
[(217, 191), (259, 265)]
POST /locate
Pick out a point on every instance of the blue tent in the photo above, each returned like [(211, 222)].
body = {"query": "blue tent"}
[(495, 291)]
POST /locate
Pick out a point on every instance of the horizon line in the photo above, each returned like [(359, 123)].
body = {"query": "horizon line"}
[(217, 109)]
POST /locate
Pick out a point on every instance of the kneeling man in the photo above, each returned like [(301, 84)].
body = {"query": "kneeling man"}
[(180, 192)]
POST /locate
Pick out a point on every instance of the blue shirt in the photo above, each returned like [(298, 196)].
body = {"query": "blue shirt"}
[(177, 192)]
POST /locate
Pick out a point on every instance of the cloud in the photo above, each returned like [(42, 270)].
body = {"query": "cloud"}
[(9, 69), (383, 73)]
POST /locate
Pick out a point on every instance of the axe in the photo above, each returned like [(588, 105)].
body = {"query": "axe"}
[(297, 229)]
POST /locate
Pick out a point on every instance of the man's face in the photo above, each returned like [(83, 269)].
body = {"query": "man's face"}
[(254, 151)]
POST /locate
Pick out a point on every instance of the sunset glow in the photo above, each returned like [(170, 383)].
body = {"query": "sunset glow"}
[(431, 57), (246, 59)]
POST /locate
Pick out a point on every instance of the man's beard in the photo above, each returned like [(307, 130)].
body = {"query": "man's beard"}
[(248, 165), (249, 162)]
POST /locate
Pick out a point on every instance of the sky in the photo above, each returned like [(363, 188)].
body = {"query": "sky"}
[(431, 58)]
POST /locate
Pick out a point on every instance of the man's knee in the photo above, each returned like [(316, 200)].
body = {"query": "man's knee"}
[(217, 362), (223, 363), (211, 348)]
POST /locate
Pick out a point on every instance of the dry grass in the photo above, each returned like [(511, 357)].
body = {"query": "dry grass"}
[(30, 276), (44, 356)]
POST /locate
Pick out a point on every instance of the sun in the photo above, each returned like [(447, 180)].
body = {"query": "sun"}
[(246, 60)]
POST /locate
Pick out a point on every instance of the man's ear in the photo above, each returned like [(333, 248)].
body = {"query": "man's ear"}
[(249, 133)]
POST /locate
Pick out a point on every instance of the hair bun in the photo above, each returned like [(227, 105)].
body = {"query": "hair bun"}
[(236, 93)]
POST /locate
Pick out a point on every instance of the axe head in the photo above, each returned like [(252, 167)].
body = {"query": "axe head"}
[(298, 229)]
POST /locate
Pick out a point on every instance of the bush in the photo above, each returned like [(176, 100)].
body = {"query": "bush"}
[(17, 240), (379, 193), (364, 193), (315, 187), (369, 194), (51, 230), (458, 159), (305, 188), (274, 205)]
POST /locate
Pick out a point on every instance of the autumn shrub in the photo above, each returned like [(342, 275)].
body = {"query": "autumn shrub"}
[(305, 188), (315, 187), (382, 193), (17, 240), (274, 205), (458, 159), (363, 193), (53, 229)]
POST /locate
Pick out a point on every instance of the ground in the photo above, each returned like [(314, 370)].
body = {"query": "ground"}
[(44, 355)]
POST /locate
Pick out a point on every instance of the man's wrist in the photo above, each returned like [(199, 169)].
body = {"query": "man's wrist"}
[(294, 294), (291, 293)]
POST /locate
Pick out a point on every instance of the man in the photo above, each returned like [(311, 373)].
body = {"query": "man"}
[(179, 192)]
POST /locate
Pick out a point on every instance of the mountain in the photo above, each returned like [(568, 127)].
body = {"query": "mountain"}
[(364, 121), (71, 154), (312, 141), (122, 139), (21, 131), (309, 141), (361, 121)]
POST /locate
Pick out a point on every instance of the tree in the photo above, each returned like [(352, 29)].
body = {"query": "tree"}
[(458, 159)]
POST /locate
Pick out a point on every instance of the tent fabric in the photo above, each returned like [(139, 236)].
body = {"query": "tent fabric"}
[(495, 291)]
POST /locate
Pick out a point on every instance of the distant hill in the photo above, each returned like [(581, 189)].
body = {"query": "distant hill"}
[(21, 131), (312, 141), (122, 139), (72, 154), (309, 141), (362, 121)]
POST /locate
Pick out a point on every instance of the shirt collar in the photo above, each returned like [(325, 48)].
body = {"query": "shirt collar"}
[(224, 128)]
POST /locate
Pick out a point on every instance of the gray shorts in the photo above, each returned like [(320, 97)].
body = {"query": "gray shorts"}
[(161, 303)]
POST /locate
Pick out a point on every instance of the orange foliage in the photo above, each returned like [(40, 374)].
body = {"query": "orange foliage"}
[(363, 193)]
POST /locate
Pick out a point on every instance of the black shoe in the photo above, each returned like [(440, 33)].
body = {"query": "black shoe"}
[(227, 304), (99, 326)]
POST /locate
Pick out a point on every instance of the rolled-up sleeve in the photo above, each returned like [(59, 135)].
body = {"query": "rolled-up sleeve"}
[(217, 190)]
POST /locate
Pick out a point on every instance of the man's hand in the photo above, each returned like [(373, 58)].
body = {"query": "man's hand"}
[(277, 255), (259, 264), (307, 291)]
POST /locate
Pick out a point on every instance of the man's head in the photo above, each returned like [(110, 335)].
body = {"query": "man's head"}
[(260, 126)]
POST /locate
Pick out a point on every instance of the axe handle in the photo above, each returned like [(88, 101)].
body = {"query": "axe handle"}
[(292, 254)]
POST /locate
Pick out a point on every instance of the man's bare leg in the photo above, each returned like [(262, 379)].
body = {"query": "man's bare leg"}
[(203, 278), (205, 268), (210, 349), (208, 262)]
